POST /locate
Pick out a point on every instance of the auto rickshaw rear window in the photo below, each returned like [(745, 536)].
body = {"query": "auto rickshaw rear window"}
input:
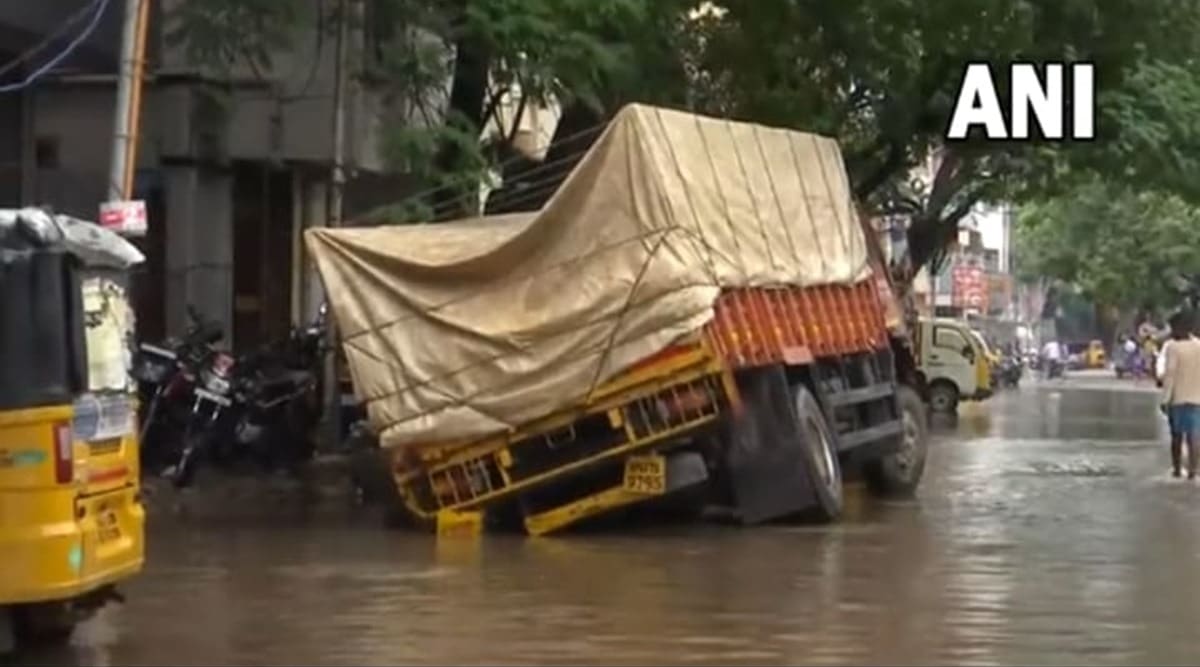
[(42, 354)]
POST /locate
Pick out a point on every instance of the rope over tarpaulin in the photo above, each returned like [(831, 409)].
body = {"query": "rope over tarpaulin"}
[(466, 328)]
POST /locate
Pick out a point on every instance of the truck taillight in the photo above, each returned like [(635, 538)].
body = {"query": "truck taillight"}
[(64, 453)]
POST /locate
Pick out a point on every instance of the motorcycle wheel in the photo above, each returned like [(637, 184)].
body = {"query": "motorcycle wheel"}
[(183, 473)]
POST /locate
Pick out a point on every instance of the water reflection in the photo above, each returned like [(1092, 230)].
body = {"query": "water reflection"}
[(1047, 533)]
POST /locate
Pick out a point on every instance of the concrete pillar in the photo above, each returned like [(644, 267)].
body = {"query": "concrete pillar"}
[(296, 307), (199, 253), (314, 196)]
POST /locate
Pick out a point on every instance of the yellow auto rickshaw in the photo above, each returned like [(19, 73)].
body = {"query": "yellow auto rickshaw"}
[(1086, 355), (1095, 357), (71, 519)]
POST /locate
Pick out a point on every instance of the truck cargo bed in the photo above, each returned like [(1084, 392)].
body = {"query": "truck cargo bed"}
[(794, 325)]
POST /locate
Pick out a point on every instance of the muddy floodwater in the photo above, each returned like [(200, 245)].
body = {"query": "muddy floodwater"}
[(1048, 532)]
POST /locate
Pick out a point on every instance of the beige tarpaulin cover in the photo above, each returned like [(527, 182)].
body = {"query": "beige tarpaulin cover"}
[(472, 327)]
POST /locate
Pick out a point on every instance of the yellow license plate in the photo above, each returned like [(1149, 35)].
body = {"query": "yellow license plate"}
[(108, 528), (646, 474)]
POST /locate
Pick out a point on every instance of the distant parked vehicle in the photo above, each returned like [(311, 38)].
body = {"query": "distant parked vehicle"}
[(1010, 371), (954, 362)]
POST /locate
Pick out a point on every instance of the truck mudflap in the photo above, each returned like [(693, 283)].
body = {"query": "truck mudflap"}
[(781, 454)]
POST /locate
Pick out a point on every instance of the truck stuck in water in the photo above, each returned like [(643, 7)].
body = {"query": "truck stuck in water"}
[(698, 311)]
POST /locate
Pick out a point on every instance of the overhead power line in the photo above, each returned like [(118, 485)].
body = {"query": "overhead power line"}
[(100, 6), (49, 39)]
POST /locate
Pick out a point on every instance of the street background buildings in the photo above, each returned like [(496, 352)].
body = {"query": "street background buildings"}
[(976, 282), (233, 169)]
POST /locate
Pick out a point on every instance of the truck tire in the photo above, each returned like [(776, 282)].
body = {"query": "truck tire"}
[(821, 452), (775, 452), (943, 397), (899, 474)]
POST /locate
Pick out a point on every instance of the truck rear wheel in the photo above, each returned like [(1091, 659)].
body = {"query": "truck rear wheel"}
[(820, 449), (780, 454), (899, 473)]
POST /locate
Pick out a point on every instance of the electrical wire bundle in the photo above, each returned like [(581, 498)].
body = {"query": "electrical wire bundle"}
[(89, 15), (523, 189)]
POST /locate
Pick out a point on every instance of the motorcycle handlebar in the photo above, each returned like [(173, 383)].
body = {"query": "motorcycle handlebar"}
[(200, 330), (205, 333)]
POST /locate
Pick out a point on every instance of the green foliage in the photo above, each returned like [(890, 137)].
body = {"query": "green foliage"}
[(879, 75), (1118, 246), (1157, 113), (537, 52), (218, 34)]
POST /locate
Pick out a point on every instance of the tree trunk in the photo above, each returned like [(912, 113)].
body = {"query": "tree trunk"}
[(528, 186), (1107, 324), (468, 91)]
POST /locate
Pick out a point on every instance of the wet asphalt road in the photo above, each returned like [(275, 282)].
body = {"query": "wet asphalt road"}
[(1047, 532)]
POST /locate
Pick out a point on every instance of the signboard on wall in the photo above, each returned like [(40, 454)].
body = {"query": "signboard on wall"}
[(970, 288), (127, 218)]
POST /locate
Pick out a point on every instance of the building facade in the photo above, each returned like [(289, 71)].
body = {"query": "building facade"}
[(233, 169)]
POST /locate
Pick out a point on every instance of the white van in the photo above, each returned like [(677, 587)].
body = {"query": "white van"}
[(954, 362)]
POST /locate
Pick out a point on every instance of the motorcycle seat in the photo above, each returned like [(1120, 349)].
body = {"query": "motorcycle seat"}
[(285, 380)]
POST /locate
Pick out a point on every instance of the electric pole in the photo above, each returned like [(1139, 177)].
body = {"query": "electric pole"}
[(337, 181), (129, 94)]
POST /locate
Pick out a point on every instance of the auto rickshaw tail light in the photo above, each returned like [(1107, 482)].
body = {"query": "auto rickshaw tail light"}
[(64, 458)]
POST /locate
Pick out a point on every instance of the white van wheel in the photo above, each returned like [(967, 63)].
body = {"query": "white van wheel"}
[(943, 397)]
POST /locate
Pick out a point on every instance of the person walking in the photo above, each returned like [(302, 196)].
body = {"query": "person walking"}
[(1181, 391), (1052, 359), (1129, 350)]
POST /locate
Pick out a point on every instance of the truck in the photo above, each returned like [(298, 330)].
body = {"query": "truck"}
[(954, 362), (520, 372)]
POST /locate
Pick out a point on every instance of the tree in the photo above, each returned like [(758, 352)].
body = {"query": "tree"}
[(878, 75), (450, 63), (539, 50), (218, 35), (1123, 249), (881, 76)]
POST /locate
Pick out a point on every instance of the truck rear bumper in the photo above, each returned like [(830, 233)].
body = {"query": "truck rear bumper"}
[(553, 468), (683, 470)]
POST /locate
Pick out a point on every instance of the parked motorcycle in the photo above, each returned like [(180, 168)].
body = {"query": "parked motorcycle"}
[(166, 374), (256, 411), (212, 395)]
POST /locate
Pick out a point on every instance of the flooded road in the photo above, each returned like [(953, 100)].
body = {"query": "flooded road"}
[(1047, 532)]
